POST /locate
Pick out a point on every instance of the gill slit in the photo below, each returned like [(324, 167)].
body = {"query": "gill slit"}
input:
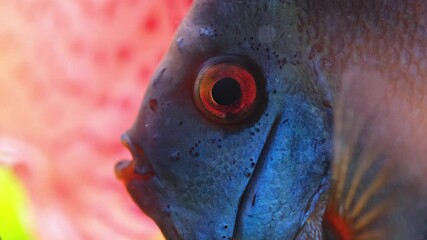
[(261, 162)]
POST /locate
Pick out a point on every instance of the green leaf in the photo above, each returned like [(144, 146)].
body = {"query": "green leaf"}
[(14, 214)]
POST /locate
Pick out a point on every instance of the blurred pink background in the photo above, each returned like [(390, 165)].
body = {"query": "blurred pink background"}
[(72, 76)]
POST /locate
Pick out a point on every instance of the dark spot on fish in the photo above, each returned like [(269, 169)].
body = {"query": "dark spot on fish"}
[(252, 164), (176, 156), (225, 227), (274, 91), (254, 200), (167, 103), (180, 123), (252, 133), (248, 175), (168, 212), (193, 152), (156, 80), (284, 121), (315, 145), (153, 104)]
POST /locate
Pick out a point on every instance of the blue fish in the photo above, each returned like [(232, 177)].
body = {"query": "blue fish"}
[(265, 121)]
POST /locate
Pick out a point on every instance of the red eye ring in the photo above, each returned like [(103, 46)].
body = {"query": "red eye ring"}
[(225, 90)]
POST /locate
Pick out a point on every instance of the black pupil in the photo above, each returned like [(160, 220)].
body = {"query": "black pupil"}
[(226, 91)]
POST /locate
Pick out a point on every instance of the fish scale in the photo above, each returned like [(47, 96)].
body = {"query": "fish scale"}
[(285, 169)]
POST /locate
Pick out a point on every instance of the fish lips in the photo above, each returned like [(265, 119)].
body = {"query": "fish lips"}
[(139, 168), (137, 175)]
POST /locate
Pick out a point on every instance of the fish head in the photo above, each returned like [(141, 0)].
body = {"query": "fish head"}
[(233, 138)]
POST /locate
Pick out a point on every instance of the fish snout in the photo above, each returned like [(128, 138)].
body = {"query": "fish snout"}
[(137, 168)]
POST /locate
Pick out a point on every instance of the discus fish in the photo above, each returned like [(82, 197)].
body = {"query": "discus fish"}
[(286, 120)]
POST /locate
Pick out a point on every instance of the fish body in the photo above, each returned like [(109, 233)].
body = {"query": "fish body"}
[(235, 136)]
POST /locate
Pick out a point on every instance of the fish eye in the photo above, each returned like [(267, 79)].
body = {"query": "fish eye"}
[(226, 91)]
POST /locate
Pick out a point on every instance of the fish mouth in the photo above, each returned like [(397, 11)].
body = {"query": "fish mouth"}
[(139, 168)]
